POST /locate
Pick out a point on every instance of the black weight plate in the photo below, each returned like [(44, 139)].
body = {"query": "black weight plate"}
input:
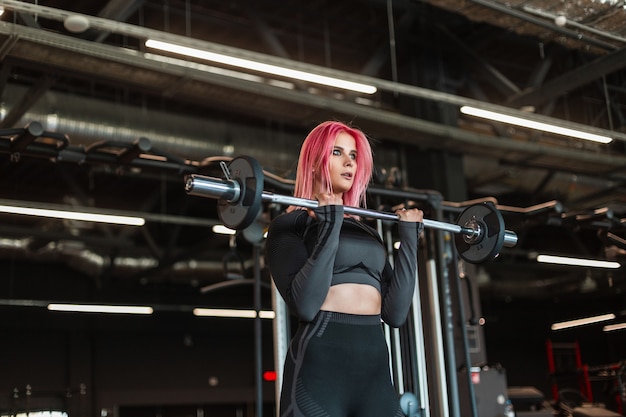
[(241, 213), (488, 245)]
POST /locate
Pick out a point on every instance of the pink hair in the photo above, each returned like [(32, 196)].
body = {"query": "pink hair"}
[(314, 157)]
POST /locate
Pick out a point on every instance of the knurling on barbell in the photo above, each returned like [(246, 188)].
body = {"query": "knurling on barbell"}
[(479, 233)]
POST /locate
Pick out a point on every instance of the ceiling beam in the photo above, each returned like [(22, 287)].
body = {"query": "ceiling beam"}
[(576, 78)]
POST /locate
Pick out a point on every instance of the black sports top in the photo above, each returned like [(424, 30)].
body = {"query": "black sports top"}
[(306, 256)]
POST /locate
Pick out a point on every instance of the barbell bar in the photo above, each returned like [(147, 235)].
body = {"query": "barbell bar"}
[(479, 234)]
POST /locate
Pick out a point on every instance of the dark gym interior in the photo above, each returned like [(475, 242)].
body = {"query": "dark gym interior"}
[(93, 119)]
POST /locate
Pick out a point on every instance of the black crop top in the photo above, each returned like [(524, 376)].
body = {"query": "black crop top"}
[(306, 256)]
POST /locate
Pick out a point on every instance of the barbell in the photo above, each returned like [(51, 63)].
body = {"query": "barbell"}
[(479, 232)]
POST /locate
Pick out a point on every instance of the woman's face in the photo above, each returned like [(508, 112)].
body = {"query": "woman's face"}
[(342, 163)]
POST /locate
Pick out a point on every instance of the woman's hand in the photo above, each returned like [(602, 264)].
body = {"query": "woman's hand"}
[(326, 199), (410, 215)]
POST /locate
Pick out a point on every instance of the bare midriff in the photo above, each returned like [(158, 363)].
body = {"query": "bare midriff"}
[(353, 299)]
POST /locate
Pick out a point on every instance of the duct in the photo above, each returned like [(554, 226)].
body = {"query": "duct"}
[(87, 121), (82, 259), (77, 256)]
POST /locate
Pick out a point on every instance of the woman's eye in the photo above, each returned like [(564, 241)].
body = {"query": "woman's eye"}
[(338, 152)]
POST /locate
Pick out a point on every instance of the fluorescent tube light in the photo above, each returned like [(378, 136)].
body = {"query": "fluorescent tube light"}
[(261, 67), (613, 327), (242, 314), (50, 413), (93, 308), (74, 215), (562, 260), (582, 322), (205, 68), (499, 117), (220, 229)]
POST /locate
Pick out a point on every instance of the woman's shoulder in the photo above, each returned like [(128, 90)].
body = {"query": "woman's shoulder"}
[(295, 219)]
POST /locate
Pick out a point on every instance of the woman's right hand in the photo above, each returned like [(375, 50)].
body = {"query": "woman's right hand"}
[(326, 199)]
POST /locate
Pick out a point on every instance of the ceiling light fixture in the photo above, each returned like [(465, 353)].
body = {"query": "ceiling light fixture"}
[(232, 313), (261, 67), (563, 260), (74, 215), (220, 229), (582, 322), (546, 127), (204, 67), (613, 327), (93, 308)]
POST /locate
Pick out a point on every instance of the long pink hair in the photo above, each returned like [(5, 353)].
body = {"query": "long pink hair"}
[(314, 158)]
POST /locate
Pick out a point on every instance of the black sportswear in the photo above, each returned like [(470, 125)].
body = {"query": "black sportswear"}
[(306, 256), (337, 364)]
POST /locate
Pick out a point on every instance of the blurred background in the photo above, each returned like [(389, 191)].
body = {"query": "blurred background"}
[(96, 116)]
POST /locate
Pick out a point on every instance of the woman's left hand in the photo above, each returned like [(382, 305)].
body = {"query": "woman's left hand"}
[(410, 215)]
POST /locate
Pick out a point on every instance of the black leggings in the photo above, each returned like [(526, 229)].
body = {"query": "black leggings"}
[(338, 366)]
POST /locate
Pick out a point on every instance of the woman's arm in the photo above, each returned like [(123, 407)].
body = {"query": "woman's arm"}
[(303, 280), (398, 283)]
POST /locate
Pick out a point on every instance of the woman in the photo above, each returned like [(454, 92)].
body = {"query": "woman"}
[(332, 271)]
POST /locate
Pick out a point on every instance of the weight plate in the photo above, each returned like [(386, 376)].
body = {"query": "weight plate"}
[(488, 244), (241, 213)]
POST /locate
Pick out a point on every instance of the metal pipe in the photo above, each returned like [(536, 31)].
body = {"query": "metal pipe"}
[(542, 23)]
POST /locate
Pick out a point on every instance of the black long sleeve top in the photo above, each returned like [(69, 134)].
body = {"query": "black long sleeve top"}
[(306, 256)]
